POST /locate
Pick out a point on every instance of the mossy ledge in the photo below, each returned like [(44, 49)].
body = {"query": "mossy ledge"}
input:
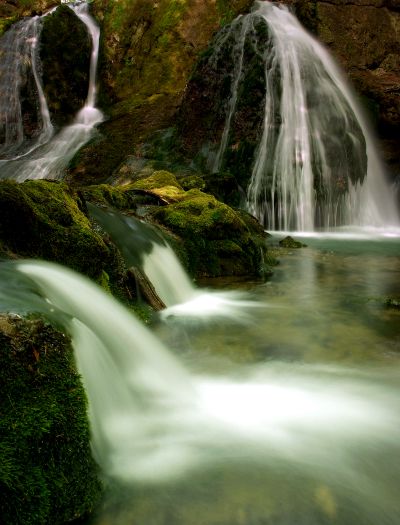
[(47, 473), (216, 239)]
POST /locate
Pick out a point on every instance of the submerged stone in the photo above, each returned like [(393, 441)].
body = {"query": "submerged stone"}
[(289, 242)]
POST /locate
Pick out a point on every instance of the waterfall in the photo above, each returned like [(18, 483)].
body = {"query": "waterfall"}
[(153, 421), (316, 164), (50, 159), (142, 246), (19, 58)]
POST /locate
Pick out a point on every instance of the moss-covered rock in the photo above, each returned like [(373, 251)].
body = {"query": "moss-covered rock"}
[(11, 11), (161, 184), (47, 474), (107, 195), (289, 242), (44, 219), (216, 239)]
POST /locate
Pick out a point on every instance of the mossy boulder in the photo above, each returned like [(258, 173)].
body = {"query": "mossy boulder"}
[(47, 474), (45, 219), (216, 239), (161, 184), (289, 242), (106, 195), (65, 49)]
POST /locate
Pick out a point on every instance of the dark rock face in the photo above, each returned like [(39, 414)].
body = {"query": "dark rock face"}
[(202, 115), (65, 54), (364, 36)]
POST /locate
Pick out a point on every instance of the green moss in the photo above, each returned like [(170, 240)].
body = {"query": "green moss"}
[(105, 194), (216, 239), (47, 474), (5, 23), (159, 179), (44, 219), (289, 242)]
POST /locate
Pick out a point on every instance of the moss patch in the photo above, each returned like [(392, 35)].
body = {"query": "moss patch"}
[(216, 239), (43, 219), (47, 474)]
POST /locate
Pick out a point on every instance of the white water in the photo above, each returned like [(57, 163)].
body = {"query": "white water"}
[(50, 160), (142, 246), (19, 56), (314, 133), (153, 421)]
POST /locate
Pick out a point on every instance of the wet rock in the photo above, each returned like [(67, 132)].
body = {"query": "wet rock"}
[(65, 53), (289, 242)]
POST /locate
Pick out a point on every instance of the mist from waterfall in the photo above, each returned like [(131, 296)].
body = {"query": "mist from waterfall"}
[(50, 155), (316, 163)]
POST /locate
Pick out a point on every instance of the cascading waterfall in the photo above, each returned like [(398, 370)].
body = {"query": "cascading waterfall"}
[(19, 58), (153, 421), (142, 246), (316, 164), (49, 160)]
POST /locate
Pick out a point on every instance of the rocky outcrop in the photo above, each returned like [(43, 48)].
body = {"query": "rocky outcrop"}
[(12, 11), (65, 63), (148, 51), (364, 36)]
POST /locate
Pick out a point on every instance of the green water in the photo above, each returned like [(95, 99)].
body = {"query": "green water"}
[(325, 333)]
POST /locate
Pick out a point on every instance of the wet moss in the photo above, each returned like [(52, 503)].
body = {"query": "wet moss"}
[(47, 474), (289, 242), (45, 220), (114, 196), (216, 239)]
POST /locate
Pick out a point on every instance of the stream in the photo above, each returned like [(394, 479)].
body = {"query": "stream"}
[(302, 400)]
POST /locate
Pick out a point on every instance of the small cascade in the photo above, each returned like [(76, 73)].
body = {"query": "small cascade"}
[(142, 246), (153, 421), (49, 160), (126, 371), (315, 164), (20, 66)]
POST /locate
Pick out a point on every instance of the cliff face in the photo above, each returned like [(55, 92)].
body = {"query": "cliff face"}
[(364, 36), (149, 49)]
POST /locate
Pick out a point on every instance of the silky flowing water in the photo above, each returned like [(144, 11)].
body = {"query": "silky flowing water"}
[(302, 403)]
